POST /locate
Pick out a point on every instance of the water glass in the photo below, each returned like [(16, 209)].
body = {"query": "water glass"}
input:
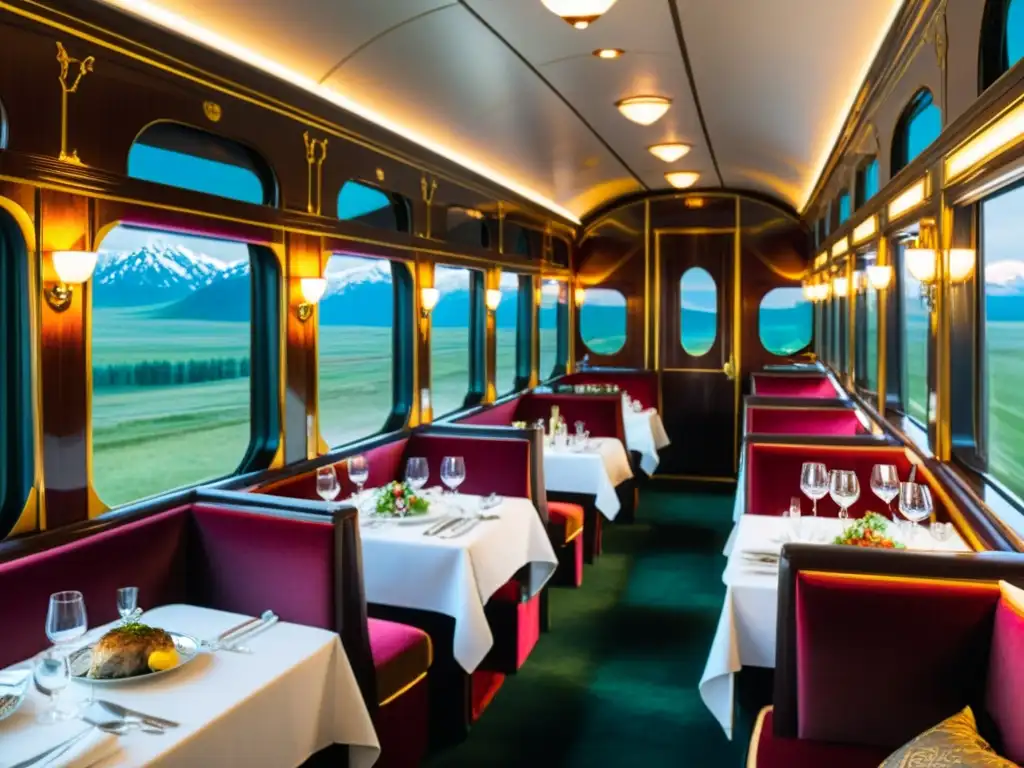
[(844, 488), (814, 483), (885, 482), (417, 472), (65, 617), (127, 601), (580, 429), (51, 675), (941, 531), (327, 485), (795, 519), (915, 503), (453, 472), (358, 471)]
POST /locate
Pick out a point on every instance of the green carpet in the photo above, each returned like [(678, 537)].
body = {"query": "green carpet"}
[(614, 683)]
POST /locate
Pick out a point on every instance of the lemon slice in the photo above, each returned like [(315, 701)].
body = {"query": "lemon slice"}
[(161, 660)]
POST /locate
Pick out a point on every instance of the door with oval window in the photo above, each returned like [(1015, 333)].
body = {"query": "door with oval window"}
[(695, 343)]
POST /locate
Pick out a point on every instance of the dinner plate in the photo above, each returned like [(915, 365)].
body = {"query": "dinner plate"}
[(186, 646)]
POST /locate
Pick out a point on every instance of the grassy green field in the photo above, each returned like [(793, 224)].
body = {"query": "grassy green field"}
[(1004, 366)]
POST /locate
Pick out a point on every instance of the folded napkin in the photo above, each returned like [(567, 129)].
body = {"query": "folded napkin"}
[(93, 748)]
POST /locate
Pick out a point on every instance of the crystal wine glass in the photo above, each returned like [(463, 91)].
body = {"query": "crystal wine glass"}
[(814, 483), (885, 482), (51, 675), (844, 488), (127, 601), (65, 617), (327, 486), (453, 473), (417, 472), (915, 504), (358, 471)]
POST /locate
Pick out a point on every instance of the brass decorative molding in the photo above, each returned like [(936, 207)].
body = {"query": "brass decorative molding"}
[(428, 188), (212, 111), (314, 157), (85, 66)]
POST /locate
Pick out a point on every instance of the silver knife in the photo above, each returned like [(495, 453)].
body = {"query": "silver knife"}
[(437, 528), (267, 619), (124, 712), (461, 529), (237, 628)]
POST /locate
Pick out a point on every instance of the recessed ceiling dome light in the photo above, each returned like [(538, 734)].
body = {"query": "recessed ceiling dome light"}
[(669, 152), (644, 110), (608, 53), (580, 13), (682, 179)]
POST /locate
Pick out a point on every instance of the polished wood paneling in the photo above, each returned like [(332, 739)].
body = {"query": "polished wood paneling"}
[(699, 415)]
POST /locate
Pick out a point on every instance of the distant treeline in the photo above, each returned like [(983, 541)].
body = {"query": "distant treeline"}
[(163, 373)]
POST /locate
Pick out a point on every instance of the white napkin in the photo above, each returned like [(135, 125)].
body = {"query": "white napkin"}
[(91, 749)]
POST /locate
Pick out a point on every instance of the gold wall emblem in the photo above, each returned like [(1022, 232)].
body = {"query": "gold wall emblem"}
[(380, 174), (212, 111), (85, 66), (315, 157)]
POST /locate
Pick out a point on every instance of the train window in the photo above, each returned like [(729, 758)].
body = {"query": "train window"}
[(1004, 336), (553, 324), (171, 341), (914, 344), (451, 375), (844, 207), (870, 338), (918, 126), (507, 334), (179, 156), (3, 127), (698, 313), (1002, 38), (16, 412), (785, 321), (866, 184), (355, 352), (603, 320), (373, 207), (467, 226)]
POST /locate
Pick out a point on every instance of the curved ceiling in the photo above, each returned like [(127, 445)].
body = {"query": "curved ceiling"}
[(759, 87)]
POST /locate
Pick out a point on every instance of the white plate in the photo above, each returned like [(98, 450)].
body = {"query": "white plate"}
[(13, 687), (186, 646)]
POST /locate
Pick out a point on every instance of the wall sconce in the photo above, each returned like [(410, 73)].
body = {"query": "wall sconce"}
[(492, 298), (879, 276), (72, 268), (580, 296), (313, 289), (428, 300), (921, 264), (840, 287), (961, 264)]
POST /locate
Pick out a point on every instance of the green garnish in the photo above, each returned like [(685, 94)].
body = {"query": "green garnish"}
[(868, 531)]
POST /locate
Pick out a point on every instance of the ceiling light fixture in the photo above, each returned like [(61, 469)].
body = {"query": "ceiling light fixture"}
[(608, 53), (579, 13), (645, 110), (669, 152), (682, 179)]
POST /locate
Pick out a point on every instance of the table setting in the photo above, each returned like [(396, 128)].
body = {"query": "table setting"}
[(645, 432), (176, 685), (441, 550)]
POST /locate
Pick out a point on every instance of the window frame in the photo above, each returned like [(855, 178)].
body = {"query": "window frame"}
[(760, 308), (476, 349), (625, 321), (922, 99)]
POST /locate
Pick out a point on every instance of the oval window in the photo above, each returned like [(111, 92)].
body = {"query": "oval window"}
[(603, 320), (698, 318), (785, 321)]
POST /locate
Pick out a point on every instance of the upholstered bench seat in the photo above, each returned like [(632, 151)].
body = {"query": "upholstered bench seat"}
[(770, 751), (566, 520), (401, 657)]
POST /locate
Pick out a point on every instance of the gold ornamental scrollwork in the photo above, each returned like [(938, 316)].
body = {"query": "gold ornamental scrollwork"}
[(428, 188), (316, 153), (85, 66), (212, 111)]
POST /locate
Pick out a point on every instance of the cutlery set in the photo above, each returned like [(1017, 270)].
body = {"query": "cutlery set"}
[(230, 640)]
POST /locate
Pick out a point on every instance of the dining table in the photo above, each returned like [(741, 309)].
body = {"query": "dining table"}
[(292, 694), (456, 570), (745, 635), (645, 434), (595, 468)]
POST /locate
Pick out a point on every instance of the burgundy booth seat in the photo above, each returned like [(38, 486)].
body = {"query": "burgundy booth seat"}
[(792, 385), (493, 465), (238, 559), (642, 386), (783, 420), (875, 647), (772, 472)]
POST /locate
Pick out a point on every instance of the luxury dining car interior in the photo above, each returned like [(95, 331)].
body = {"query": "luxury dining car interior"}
[(512, 383)]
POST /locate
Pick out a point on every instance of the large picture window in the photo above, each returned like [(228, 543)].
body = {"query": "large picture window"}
[(603, 320), (914, 343), (507, 336), (553, 316), (785, 321), (171, 362), (355, 355), (450, 339)]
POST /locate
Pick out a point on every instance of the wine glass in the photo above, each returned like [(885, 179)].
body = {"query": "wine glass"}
[(844, 488), (51, 675), (127, 601), (358, 471), (580, 429), (327, 483), (453, 472), (885, 482), (417, 472), (814, 483), (65, 617), (915, 504)]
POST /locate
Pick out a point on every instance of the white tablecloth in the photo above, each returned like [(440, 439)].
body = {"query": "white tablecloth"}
[(645, 434), (292, 696), (596, 471), (746, 629), (455, 577)]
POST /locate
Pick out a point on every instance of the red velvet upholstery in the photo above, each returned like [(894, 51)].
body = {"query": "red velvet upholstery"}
[(772, 473), (788, 385), (402, 727), (770, 751), (385, 463), (601, 413), (401, 656), (1005, 690), (567, 519), (925, 641), (768, 420), (495, 416), (641, 385), (493, 465)]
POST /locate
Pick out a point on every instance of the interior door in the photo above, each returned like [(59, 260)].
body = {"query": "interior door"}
[(696, 274)]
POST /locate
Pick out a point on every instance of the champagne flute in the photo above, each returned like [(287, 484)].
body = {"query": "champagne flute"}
[(417, 472), (844, 488), (327, 486), (358, 471), (915, 504), (814, 483), (885, 482)]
